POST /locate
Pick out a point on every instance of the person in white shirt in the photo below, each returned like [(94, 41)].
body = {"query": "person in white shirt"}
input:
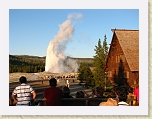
[(24, 94), (122, 96), (68, 84), (122, 100)]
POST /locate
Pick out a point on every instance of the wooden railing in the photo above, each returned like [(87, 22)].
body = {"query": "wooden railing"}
[(82, 101), (77, 101)]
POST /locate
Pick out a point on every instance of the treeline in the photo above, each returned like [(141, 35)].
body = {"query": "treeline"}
[(88, 61), (33, 64), (26, 64)]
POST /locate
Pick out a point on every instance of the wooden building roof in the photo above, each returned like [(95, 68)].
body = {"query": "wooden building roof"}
[(129, 42)]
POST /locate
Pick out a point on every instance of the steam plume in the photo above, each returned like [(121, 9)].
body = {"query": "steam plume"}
[(56, 61)]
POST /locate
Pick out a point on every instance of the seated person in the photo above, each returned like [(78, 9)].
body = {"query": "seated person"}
[(79, 94), (130, 96), (99, 92), (122, 97), (122, 100), (96, 93), (110, 102), (66, 93)]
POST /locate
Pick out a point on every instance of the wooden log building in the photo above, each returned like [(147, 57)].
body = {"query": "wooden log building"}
[(125, 47)]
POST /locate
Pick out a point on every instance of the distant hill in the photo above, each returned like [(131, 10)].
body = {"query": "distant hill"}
[(26, 64), (30, 64)]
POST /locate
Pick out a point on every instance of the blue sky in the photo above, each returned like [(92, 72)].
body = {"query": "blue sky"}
[(31, 30)]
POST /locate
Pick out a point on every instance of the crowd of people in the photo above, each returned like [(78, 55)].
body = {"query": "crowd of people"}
[(24, 94)]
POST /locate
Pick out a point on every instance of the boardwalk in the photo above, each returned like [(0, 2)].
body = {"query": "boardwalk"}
[(39, 87)]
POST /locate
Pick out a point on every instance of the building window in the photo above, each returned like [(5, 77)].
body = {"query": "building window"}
[(117, 58)]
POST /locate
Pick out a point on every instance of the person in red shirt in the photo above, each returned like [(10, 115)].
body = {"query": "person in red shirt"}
[(136, 94), (53, 94)]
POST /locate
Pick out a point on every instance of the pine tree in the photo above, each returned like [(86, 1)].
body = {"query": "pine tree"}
[(105, 46), (101, 52), (85, 74), (120, 78)]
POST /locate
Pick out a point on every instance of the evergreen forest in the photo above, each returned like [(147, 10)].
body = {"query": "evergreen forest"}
[(34, 64)]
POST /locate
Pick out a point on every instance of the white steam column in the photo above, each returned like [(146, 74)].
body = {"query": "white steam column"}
[(55, 57)]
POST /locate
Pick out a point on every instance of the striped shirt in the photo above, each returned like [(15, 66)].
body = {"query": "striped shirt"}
[(24, 94)]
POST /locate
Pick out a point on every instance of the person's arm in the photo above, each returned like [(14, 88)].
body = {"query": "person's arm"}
[(44, 98), (14, 98), (92, 95), (34, 95)]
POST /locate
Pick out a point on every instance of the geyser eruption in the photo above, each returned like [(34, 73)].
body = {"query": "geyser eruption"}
[(56, 61)]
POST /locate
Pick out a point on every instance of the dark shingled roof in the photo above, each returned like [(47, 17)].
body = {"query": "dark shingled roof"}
[(129, 42)]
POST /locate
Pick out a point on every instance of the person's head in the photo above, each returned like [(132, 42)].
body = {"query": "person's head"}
[(121, 93), (22, 79), (130, 90), (80, 94), (53, 82), (99, 91), (120, 89), (122, 97), (137, 83), (66, 90)]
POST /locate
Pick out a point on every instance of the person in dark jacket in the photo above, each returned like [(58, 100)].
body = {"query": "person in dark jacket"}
[(66, 92)]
